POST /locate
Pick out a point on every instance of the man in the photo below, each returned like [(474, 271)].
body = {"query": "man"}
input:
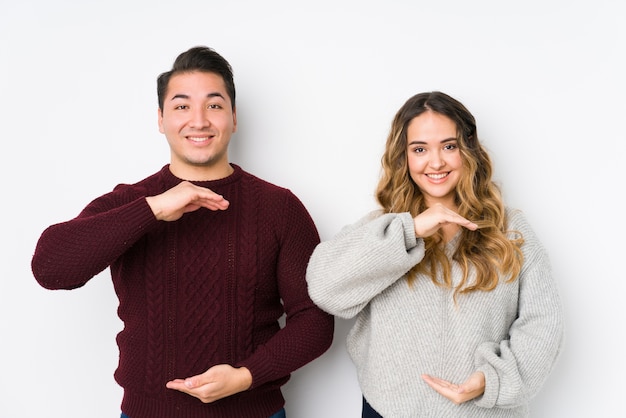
[(205, 258)]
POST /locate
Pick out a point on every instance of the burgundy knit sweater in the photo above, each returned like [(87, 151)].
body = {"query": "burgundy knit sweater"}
[(201, 291)]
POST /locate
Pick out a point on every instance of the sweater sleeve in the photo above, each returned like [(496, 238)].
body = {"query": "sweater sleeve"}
[(363, 260), (516, 368), (308, 331), (69, 254)]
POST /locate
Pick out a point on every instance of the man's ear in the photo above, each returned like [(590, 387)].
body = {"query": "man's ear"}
[(160, 120)]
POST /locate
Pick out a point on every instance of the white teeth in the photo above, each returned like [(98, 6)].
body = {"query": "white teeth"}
[(197, 138), (437, 176)]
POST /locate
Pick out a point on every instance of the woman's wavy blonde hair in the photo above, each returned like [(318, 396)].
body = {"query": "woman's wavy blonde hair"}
[(489, 250)]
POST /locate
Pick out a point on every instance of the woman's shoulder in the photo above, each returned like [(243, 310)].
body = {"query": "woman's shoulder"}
[(515, 218), (517, 223)]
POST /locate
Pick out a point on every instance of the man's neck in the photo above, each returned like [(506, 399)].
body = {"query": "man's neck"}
[(202, 173)]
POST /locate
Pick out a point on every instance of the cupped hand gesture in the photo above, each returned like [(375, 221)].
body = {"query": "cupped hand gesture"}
[(216, 383), (438, 216), (185, 197), (472, 388)]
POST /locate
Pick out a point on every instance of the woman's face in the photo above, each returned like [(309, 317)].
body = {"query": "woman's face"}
[(434, 158)]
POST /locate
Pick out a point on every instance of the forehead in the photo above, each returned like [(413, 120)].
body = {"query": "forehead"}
[(431, 126), (196, 84)]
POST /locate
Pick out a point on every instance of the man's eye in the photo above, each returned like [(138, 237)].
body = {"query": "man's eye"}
[(181, 107), (214, 106)]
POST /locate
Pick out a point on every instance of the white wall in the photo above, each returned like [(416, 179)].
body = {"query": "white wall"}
[(318, 84)]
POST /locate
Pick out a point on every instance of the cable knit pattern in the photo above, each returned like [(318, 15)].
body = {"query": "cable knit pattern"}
[(155, 301), (249, 243), (512, 334), (204, 290)]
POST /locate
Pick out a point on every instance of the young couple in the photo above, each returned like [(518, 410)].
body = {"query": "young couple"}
[(457, 314)]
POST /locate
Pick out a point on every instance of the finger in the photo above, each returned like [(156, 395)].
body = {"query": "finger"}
[(451, 216), (214, 202), (218, 205), (177, 384), (459, 220), (444, 387), (472, 384), (436, 380), (469, 224), (434, 384)]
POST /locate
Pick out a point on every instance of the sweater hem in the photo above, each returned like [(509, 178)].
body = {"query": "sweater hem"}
[(241, 405)]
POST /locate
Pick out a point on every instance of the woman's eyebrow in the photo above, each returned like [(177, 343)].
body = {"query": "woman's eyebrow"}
[(443, 141)]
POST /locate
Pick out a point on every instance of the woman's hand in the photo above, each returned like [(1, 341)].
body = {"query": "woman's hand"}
[(438, 216), (472, 388)]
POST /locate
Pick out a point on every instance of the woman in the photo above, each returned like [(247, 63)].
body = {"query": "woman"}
[(457, 314)]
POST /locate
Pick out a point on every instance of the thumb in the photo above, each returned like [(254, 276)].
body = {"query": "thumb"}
[(191, 382)]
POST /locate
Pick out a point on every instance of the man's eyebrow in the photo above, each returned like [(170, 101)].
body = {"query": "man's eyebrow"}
[(186, 96), (216, 94)]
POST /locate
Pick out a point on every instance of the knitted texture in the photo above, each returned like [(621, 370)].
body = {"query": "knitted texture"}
[(204, 290), (512, 334)]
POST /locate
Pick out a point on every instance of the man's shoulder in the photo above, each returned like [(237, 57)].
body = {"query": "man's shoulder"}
[(275, 198), (265, 185), (149, 181)]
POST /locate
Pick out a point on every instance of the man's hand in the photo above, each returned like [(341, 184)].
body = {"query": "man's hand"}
[(185, 197), (473, 387), (216, 383)]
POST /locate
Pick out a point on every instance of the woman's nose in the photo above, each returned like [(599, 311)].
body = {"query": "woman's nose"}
[(437, 161)]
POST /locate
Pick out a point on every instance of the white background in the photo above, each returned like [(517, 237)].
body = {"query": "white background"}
[(318, 84)]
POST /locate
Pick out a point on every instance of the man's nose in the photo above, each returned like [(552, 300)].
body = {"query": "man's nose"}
[(199, 119)]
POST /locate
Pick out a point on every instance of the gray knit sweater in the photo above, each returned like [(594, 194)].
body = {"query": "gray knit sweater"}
[(512, 334)]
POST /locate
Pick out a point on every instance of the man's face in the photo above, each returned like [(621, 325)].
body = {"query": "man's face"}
[(198, 121)]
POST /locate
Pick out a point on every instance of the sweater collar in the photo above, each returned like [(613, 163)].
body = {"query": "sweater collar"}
[(171, 180)]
